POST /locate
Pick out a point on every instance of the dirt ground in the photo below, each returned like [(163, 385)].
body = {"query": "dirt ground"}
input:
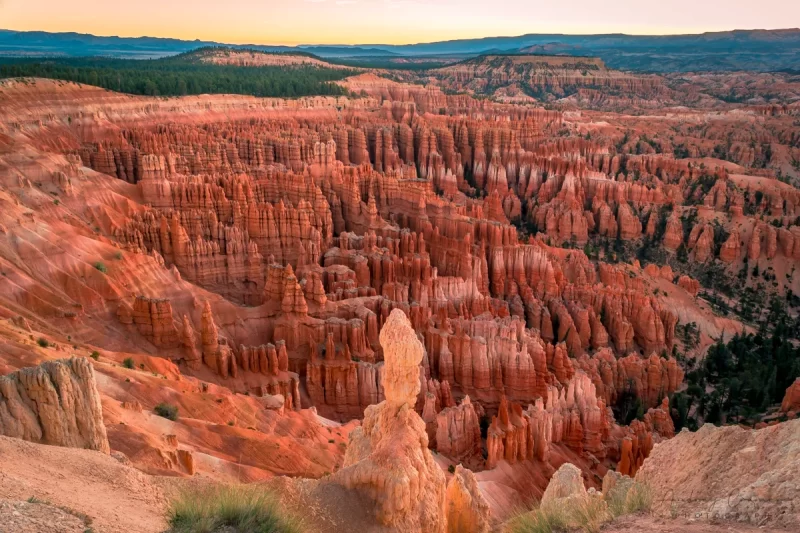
[(116, 497), (27, 517), (641, 524), (66, 490)]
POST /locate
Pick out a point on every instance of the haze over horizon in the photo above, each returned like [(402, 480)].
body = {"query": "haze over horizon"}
[(350, 22)]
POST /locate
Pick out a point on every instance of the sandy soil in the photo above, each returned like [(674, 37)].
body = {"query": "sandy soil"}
[(27, 517), (639, 523)]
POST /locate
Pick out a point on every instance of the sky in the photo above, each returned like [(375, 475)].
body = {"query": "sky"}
[(294, 22)]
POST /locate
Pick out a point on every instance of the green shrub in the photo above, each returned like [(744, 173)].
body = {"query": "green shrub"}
[(167, 410), (451, 469), (101, 267), (118, 256), (95, 355), (41, 341), (240, 508), (128, 363)]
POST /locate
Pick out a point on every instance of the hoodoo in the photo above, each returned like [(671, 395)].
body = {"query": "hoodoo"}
[(388, 457)]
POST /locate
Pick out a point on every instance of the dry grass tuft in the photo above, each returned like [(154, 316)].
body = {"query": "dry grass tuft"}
[(538, 520), (242, 508), (590, 514), (640, 498), (582, 514)]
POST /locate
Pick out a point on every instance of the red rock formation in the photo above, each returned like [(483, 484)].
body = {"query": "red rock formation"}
[(154, 320), (650, 379), (187, 338), (572, 415), (731, 248), (754, 245), (458, 433), (673, 236), (692, 286), (216, 352), (658, 420), (701, 241)]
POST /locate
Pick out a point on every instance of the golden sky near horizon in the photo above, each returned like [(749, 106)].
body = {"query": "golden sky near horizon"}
[(387, 21)]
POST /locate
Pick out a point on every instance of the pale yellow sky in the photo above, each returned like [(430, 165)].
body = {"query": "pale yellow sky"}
[(387, 21)]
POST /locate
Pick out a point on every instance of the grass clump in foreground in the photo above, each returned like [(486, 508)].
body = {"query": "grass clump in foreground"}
[(242, 508), (539, 521), (638, 498), (582, 514)]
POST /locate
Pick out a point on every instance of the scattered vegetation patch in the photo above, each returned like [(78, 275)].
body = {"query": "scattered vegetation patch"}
[(740, 379), (95, 355), (44, 343), (239, 508), (101, 267), (167, 410), (128, 363)]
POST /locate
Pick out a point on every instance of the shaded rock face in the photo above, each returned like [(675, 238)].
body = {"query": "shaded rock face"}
[(728, 473), (467, 510), (55, 403), (388, 457)]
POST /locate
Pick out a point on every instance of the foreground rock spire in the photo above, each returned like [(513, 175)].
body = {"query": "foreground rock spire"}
[(55, 403), (388, 457)]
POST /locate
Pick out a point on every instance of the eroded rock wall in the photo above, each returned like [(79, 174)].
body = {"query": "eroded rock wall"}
[(55, 403)]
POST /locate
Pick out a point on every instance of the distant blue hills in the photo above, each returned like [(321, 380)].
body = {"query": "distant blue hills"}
[(756, 50)]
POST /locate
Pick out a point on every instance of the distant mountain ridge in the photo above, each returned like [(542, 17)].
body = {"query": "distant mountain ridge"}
[(757, 50)]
